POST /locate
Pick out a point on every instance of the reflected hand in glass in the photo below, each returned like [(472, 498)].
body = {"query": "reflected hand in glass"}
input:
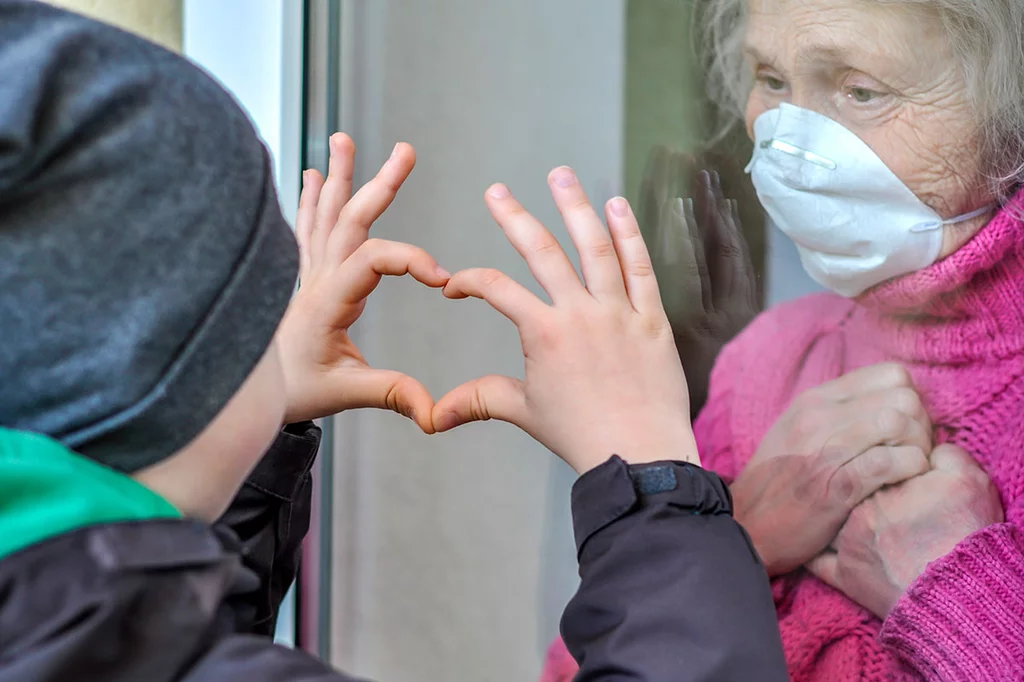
[(701, 259)]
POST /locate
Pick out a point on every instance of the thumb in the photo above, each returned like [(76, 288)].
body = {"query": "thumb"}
[(389, 390), (825, 568), (490, 397), (951, 458)]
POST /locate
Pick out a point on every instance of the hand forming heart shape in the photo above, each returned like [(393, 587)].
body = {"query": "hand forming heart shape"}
[(325, 373)]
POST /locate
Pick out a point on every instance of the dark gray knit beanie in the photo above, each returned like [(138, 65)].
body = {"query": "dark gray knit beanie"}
[(144, 260)]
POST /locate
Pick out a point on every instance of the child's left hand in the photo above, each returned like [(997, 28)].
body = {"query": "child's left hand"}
[(325, 373)]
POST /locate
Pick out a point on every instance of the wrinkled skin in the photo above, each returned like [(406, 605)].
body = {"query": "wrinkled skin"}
[(889, 75), (890, 539), (834, 447)]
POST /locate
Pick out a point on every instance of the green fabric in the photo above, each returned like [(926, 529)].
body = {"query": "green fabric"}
[(47, 490)]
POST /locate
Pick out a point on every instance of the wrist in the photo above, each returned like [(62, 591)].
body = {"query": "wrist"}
[(682, 452)]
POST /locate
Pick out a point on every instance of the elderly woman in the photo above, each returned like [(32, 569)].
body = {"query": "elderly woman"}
[(873, 436)]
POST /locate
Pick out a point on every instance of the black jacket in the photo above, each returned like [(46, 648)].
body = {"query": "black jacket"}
[(671, 590)]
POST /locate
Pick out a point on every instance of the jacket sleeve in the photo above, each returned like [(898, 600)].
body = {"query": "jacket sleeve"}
[(271, 516), (671, 588)]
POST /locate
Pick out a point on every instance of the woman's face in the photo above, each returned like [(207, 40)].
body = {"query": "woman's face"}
[(888, 74)]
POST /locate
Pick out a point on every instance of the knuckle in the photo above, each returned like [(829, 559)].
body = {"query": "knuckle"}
[(514, 210), (544, 246), (891, 423), (490, 277), (603, 249), (907, 401), (897, 374), (844, 487), (656, 326), (876, 463), (640, 268), (578, 202)]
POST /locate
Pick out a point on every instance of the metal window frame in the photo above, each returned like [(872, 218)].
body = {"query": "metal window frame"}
[(321, 75)]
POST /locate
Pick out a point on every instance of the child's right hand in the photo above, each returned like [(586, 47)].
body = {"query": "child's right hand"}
[(603, 376), (340, 266)]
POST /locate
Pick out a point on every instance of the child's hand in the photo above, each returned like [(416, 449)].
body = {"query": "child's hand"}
[(324, 371), (602, 373)]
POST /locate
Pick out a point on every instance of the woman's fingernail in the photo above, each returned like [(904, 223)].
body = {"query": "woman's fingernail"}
[(444, 274), (305, 177), (499, 191), (394, 152), (332, 145), (620, 207), (563, 177)]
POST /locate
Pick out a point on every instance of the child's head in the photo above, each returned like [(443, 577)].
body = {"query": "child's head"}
[(144, 261)]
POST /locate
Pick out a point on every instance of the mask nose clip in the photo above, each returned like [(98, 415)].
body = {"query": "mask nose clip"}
[(793, 150)]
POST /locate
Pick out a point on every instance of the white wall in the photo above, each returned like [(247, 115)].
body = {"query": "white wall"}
[(454, 553)]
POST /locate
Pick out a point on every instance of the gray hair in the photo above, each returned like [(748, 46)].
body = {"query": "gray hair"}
[(987, 36)]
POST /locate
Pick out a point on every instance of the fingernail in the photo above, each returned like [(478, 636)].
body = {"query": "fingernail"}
[(563, 177), (305, 177), (499, 191), (620, 207), (444, 274), (394, 152), (332, 145), (448, 420), (677, 207)]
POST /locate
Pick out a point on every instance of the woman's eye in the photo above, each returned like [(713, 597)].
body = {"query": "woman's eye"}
[(862, 95), (771, 82)]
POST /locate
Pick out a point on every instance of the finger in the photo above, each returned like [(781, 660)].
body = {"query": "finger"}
[(491, 397), (730, 262), (695, 233), (359, 275), (503, 293), (866, 380), (598, 259), (542, 252), (370, 202), (390, 390), (870, 428), (305, 219), (825, 568), (685, 174), (634, 260), (905, 399), (676, 269), (335, 194), (653, 189), (869, 472), (953, 459)]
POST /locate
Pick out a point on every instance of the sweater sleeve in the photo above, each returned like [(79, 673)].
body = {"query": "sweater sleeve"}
[(963, 619)]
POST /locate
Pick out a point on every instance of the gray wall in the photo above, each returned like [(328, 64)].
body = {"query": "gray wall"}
[(453, 554)]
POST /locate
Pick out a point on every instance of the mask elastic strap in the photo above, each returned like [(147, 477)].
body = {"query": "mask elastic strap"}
[(927, 227)]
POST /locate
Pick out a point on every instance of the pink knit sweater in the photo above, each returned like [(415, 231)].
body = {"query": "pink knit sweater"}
[(959, 327)]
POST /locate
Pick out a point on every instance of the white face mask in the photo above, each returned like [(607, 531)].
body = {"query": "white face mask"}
[(854, 222)]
